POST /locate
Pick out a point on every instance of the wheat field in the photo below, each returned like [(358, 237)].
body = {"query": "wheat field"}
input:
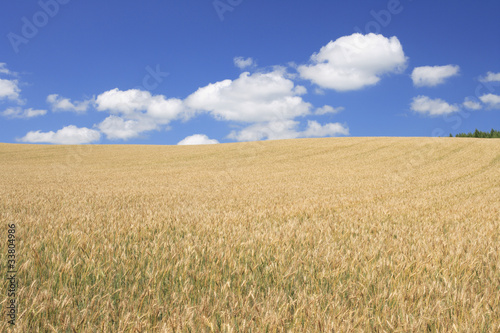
[(306, 235)]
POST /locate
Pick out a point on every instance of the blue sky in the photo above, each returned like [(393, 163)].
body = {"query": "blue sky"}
[(205, 71)]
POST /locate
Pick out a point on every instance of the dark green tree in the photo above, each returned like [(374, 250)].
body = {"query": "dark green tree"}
[(479, 134)]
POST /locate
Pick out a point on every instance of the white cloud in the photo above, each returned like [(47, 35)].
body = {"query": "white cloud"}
[(9, 90), (198, 139), (355, 61), (471, 104), (490, 77), (135, 111), (123, 102), (287, 129), (251, 98), (71, 135), (117, 128), (17, 112), (243, 63), (274, 130), (328, 109), (491, 100), (430, 76), (432, 107), (315, 129), (59, 103), (136, 103), (300, 90)]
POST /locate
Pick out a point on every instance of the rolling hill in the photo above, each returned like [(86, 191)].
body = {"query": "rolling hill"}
[(371, 234)]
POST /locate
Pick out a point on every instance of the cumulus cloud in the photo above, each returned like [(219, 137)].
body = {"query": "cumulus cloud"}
[(198, 139), (135, 103), (328, 109), (17, 112), (315, 129), (432, 107), (9, 90), (70, 135), (117, 128), (472, 104), (135, 111), (124, 102), (273, 130), (287, 129), (59, 103), (492, 101), (270, 100), (490, 77), (251, 98), (355, 61), (243, 63), (430, 76)]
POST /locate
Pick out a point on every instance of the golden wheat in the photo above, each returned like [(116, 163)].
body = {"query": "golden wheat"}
[(310, 235)]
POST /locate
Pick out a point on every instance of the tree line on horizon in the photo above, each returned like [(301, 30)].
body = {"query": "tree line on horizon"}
[(493, 134)]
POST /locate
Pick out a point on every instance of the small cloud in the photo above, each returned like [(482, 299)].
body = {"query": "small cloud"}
[(10, 90), (243, 63), (432, 107), (198, 139), (59, 103), (328, 109), (300, 90), (492, 101), (17, 112), (272, 130), (315, 129), (430, 76), (5, 70), (133, 102), (471, 104), (117, 128), (490, 77), (69, 135)]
